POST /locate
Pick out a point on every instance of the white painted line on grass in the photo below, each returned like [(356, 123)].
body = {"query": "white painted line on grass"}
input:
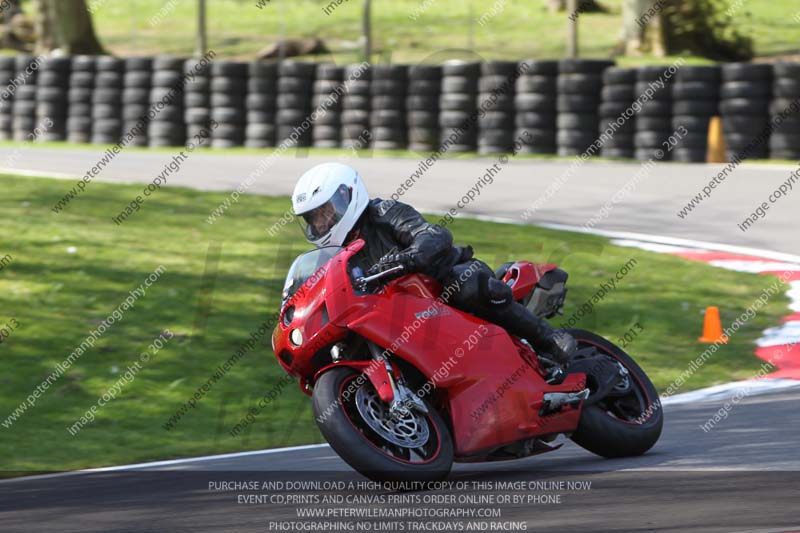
[(38, 173), (171, 462)]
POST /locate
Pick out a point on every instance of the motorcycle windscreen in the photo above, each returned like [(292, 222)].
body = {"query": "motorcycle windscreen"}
[(307, 268)]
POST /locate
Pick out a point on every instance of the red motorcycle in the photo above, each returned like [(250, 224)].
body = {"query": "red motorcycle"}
[(402, 384)]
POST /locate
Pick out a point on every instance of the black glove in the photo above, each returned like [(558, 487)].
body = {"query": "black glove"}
[(563, 346), (404, 259)]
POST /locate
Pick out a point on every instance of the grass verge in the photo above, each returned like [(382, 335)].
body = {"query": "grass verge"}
[(404, 30)]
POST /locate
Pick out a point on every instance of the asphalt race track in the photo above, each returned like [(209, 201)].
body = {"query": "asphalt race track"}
[(651, 206), (741, 476)]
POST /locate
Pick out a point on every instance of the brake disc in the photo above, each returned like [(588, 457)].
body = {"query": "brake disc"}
[(404, 428)]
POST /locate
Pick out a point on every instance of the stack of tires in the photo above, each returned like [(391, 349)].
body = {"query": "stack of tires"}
[(654, 120), (387, 120), (580, 83), (7, 72), (355, 133), (166, 98), (24, 108), (785, 140), (52, 92), (458, 104), (295, 84), (496, 89), (136, 99), (81, 87), (695, 100), (616, 113), (262, 90), (107, 100), (197, 103), (328, 106), (422, 107), (744, 105), (535, 106), (228, 99)]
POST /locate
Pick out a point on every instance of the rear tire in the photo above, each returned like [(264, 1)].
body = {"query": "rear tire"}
[(601, 432), (364, 449)]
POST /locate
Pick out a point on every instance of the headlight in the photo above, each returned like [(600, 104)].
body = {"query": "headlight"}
[(296, 337)]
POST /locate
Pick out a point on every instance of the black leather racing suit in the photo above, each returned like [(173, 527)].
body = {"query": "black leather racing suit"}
[(389, 227)]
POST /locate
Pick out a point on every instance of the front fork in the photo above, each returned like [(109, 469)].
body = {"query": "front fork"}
[(403, 399)]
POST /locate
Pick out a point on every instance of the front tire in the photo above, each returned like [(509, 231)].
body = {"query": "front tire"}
[(362, 445), (624, 426)]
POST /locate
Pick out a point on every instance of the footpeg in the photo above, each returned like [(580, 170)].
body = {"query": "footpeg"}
[(555, 376), (554, 401)]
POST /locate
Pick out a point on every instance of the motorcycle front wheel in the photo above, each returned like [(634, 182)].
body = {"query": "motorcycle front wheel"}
[(627, 422), (405, 446)]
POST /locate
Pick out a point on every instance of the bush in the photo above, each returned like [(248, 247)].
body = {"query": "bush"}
[(704, 28)]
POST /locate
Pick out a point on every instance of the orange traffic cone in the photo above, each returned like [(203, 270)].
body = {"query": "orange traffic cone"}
[(716, 142), (712, 327)]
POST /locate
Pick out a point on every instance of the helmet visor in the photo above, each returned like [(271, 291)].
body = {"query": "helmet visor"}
[(319, 221)]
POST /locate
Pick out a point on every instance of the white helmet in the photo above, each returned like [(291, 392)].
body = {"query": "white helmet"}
[(328, 199)]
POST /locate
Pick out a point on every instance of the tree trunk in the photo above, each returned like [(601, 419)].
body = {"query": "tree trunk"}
[(202, 35), (8, 13), (66, 25), (656, 36), (43, 27), (572, 30), (367, 30), (632, 34), (556, 6)]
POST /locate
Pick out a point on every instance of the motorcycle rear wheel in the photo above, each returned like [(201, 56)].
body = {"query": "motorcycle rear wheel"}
[(622, 426), (365, 449)]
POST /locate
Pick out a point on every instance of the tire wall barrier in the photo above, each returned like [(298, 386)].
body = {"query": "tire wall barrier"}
[(138, 82), (535, 106), (422, 107), (618, 95), (24, 98), (168, 127), (654, 119), (695, 99), (580, 85), (784, 142), (745, 94), (197, 104), (327, 126), (228, 86), (458, 106), (554, 107), (8, 71)]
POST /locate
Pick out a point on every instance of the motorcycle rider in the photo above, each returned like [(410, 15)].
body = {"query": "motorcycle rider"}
[(332, 204)]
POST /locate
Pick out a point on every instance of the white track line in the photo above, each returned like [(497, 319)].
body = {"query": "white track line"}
[(754, 266), (675, 241), (747, 387), (645, 238)]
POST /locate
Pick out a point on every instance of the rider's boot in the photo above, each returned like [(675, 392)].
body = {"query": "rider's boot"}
[(520, 321)]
